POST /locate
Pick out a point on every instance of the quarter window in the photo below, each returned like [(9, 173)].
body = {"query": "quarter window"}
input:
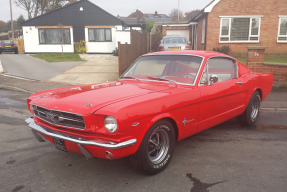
[(100, 35), (54, 36), (224, 68), (282, 30), (237, 29)]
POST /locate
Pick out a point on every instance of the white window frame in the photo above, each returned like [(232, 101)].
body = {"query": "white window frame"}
[(250, 28), (281, 41), (203, 31)]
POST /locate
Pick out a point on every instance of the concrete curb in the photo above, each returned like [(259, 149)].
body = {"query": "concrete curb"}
[(15, 89), (1, 68)]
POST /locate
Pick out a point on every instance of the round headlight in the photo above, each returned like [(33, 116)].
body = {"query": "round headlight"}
[(111, 124)]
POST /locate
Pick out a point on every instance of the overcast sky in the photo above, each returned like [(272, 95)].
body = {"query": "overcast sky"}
[(121, 7)]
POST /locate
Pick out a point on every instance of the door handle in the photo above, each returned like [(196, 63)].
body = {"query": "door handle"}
[(240, 83)]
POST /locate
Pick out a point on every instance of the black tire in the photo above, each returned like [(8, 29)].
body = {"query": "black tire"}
[(252, 111), (16, 52), (145, 160)]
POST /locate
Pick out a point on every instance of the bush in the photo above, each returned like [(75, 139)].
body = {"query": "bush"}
[(224, 49), (115, 52), (81, 47)]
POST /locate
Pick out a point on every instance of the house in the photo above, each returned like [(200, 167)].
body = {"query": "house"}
[(132, 23), (81, 20), (237, 23), (143, 17)]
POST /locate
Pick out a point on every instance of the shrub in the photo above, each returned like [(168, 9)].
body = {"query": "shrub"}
[(81, 47), (115, 52), (224, 49)]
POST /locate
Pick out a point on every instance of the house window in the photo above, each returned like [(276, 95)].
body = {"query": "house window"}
[(53, 36), (282, 29), (203, 31), (239, 29), (100, 35)]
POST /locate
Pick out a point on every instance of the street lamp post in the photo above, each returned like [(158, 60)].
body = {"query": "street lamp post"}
[(12, 27)]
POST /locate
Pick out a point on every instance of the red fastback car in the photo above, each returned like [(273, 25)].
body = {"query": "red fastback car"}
[(162, 98)]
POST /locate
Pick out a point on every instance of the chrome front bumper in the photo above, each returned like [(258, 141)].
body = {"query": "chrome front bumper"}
[(32, 124)]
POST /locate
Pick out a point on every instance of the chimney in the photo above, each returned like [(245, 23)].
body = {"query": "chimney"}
[(156, 13)]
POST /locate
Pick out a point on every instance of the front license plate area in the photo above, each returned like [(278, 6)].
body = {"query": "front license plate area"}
[(60, 144)]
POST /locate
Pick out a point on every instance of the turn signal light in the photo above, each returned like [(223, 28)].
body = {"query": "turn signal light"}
[(161, 48), (15, 45), (0, 45), (187, 47)]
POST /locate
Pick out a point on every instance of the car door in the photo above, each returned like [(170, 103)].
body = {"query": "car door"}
[(221, 100)]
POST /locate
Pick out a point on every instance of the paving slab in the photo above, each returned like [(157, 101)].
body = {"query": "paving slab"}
[(97, 68)]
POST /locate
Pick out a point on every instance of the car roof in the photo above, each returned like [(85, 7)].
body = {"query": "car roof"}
[(191, 52)]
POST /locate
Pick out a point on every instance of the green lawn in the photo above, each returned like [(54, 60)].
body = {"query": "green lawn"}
[(269, 60), (58, 57), (242, 60)]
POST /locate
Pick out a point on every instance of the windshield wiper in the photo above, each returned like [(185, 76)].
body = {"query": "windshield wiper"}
[(162, 79), (129, 77)]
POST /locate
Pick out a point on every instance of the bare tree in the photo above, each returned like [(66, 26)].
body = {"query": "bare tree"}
[(175, 13), (61, 34), (190, 14), (27, 5)]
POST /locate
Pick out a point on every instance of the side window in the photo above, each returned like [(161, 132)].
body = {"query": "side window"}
[(224, 68)]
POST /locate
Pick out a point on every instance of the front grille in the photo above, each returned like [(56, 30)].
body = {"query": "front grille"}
[(60, 118)]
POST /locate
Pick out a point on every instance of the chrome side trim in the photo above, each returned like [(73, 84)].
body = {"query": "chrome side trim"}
[(32, 124)]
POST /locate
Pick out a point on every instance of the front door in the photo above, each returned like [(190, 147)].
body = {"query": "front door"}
[(221, 100)]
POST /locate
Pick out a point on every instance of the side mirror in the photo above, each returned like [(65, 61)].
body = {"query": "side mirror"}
[(189, 42), (213, 79)]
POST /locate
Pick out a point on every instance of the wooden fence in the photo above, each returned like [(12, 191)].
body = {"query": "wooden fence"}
[(128, 53), (20, 43), (141, 43), (154, 40)]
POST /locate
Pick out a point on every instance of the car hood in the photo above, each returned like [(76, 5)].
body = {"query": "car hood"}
[(86, 99)]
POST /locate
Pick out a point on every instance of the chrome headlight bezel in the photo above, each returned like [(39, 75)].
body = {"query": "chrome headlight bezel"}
[(111, 124)]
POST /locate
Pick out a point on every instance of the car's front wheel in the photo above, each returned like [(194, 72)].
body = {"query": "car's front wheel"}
[(156, 149), (252, 111)]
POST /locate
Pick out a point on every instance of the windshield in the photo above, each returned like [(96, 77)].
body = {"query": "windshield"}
[(8, 42), (177, 68), (174, 40)]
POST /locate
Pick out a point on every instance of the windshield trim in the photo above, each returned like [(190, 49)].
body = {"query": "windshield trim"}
[(194, 82)]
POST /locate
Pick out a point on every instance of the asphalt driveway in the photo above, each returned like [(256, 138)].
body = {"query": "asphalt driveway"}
[(23, 65)]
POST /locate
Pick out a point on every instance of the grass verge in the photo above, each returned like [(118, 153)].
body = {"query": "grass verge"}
[(269, 60), (58, 57)]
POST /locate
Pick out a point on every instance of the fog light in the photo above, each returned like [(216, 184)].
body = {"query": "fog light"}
[(109, 155)]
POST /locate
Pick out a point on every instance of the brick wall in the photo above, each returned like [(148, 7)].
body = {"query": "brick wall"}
[(255, 62), (270, 9)]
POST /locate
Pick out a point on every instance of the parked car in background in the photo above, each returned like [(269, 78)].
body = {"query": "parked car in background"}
[(8, 46), (173, 42), (162, 98)]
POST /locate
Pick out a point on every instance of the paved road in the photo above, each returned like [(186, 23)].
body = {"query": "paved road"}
[(227, 157), (32, 68)]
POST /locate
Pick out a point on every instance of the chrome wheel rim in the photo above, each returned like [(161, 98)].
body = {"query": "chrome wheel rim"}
[(158, 146), (254, 109)]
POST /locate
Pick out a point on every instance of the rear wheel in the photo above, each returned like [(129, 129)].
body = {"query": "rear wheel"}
[(156, 149), (16, 52), (252, 111)]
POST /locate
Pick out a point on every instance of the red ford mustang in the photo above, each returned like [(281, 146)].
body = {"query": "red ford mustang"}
[(162, 98)]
